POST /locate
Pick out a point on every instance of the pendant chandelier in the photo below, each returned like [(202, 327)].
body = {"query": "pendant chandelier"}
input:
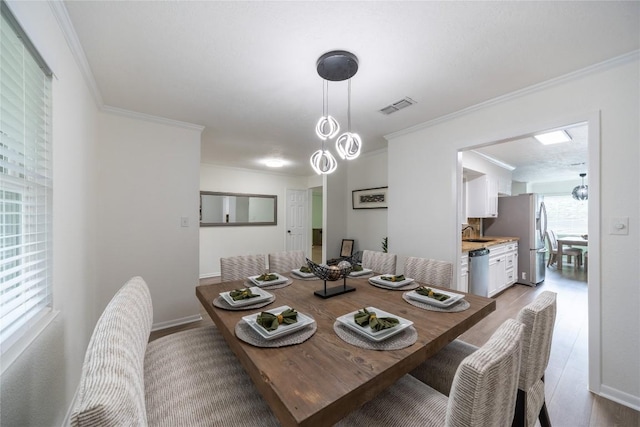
[(335, 66), (581, 192)]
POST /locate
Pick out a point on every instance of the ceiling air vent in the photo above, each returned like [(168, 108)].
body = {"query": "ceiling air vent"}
[(396, 106)]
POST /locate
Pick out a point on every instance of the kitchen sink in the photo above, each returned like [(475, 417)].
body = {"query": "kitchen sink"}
[(478, 240)]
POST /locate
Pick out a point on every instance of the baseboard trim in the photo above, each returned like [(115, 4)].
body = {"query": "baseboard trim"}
[(620, 397), (176, 322), (209, 275)]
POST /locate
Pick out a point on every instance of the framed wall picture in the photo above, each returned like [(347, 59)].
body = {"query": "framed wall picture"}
[(370, 198)]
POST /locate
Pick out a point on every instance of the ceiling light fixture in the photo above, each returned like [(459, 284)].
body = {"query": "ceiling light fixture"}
[(274, 163), (337, 65), (553, 137), (348, 144), (581, 192)]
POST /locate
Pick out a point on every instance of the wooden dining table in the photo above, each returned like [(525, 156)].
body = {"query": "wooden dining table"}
[(569, 241), (320, 381)]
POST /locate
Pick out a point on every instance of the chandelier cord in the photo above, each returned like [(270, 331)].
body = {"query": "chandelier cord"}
[(349, 106)]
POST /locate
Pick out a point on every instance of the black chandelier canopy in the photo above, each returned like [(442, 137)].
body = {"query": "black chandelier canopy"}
[(337, 65)]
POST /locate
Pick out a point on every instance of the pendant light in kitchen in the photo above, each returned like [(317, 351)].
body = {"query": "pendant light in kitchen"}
[(581, 192)]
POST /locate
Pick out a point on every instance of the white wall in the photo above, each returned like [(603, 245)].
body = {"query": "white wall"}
[(38, 387), (219, 242), (422, 211), (148, 181), (556, 187), (334, 209), (367, 226)]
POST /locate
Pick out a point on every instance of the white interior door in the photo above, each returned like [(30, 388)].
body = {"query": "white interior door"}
[(297, 221)]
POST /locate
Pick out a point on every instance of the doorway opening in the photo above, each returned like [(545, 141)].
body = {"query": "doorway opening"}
[(581, 155)]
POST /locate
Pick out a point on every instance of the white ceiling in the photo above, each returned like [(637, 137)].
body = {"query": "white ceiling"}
[(246, 70), (535, 162)]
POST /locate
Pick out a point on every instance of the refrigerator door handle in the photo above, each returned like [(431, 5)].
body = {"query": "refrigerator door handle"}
[(543, 219)]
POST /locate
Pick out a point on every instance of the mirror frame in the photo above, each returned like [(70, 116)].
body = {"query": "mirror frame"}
[(239, 224)]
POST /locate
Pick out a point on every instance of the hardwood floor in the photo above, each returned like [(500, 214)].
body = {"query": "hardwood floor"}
[(569, 402)]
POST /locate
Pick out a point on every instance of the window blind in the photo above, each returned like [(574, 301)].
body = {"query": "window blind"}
[(25, 182)]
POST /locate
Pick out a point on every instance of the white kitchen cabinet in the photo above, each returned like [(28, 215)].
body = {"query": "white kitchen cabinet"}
[(504, 186), (503, 266), (497, 268), (482, 197), (463, 283), (511, 267)]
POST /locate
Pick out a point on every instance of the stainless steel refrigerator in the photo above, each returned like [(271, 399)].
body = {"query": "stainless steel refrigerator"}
[(523, 216)]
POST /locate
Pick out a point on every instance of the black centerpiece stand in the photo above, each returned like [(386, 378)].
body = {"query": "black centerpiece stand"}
[(331, 274)]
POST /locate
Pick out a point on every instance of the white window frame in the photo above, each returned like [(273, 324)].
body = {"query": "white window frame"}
[(26, 171)]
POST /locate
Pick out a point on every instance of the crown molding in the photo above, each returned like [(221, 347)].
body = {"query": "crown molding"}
[(595, 68), (151, 118), (66, 26), (62, 16)]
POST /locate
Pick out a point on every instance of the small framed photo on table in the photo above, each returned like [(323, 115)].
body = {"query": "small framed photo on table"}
[(347, 248), (370, 198)]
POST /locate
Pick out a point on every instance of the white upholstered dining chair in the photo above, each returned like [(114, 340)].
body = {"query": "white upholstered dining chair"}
[(483, 392), (429, 271), (284, 262), (379, 262), (538, 318), (241, 267)]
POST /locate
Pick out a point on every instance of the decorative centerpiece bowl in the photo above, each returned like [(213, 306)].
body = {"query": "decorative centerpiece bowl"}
[(332, 273)]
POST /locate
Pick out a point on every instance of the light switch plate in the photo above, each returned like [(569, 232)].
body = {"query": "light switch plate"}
[(619, 225), (184, 221)]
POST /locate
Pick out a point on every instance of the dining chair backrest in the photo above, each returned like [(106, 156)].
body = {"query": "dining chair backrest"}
[(553, 240), (284, 262), (240, 267), (485, 385), (539, 319), (379, 262), (429, 271)]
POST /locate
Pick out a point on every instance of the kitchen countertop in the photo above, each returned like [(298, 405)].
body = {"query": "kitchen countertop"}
[(470, 246)]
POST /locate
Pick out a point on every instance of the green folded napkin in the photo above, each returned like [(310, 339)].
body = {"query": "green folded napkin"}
[(399, 278), (267, 277), (305, 269), (238, 294), (365, 317), (428, 292), (271, 321), (357, 267)]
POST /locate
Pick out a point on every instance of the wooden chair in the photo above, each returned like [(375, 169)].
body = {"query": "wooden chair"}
[(538, 318), (483, 392), (240, 267), (429, 271), (284, 262), (552, 240), (379, 262)]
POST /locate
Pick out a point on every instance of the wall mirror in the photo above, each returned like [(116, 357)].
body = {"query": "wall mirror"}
[(225, 209)]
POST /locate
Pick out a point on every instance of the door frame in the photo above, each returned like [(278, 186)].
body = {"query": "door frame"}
[(592, 119)]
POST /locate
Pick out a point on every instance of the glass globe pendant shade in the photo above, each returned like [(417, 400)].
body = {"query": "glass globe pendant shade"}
[(327, 127), (323, 162), (348, 145), (581, 192)]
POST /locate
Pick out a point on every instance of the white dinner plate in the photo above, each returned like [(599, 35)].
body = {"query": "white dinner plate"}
[(283, 329), (454, 298), (278, 281), (262, 296), (378, 280), (360, 273), (366, 331), (304, 275)]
